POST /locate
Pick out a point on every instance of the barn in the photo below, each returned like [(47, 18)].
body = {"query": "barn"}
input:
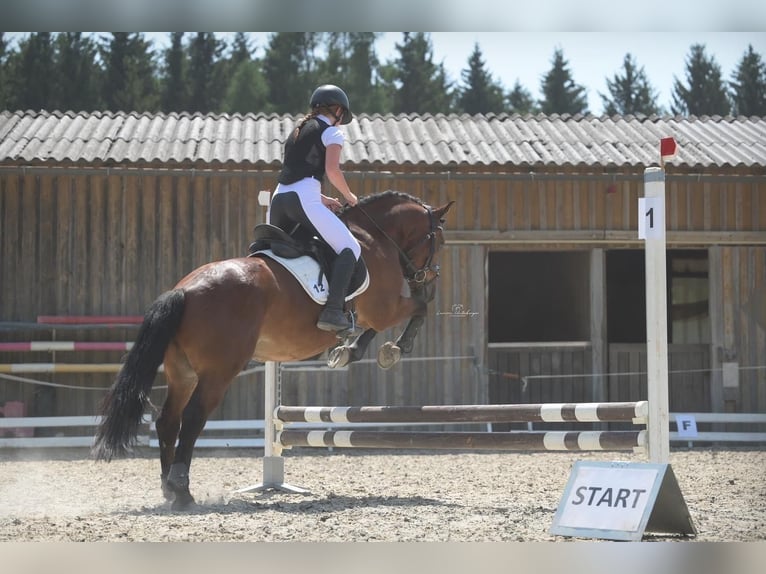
[(541, 297)]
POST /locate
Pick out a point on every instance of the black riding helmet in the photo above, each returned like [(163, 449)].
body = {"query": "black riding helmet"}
[(329, 95)]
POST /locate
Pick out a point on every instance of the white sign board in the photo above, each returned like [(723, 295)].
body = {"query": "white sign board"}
[(618, 501), (651, 217), (687, 426), (264, 198)]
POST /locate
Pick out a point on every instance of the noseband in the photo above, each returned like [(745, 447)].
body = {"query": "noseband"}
[(412, 273)]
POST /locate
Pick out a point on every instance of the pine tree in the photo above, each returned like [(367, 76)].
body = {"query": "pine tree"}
[(130, 75), (78, 75), (561, 95), (241, 50), (630, 93), (3, 73), (247, 91), (351, 63), (422, 84), (748, 85), (704, 93), (174, 95), (31, 71), (480, 93), (206, 73), (289, 66), (363, 75), (520, 100)]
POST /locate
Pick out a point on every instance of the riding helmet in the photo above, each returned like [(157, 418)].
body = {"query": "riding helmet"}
[(329, 95)]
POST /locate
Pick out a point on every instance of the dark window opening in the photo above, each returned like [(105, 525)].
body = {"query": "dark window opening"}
[(539, 296), (687, 296), (626, 296)]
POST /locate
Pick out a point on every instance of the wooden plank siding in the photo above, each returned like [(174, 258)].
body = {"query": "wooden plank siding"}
[(738, 278), (109, 243)]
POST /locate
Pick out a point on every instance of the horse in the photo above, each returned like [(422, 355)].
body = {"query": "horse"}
[(226, 313)]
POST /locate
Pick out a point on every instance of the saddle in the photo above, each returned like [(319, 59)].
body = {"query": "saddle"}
[(299, 243), (283, 244)]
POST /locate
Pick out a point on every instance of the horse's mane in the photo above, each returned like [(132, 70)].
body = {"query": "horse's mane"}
[(368, 199)]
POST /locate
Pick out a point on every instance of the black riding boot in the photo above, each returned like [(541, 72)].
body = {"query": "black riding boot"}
[(332, 317)]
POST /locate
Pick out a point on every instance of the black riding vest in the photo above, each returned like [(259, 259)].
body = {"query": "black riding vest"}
[(304, 154)]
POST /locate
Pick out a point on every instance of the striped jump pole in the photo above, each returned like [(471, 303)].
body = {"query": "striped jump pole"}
[(90, 319), (279, 435), (518, 441), (635, 412), (65, 346), (61, 368)]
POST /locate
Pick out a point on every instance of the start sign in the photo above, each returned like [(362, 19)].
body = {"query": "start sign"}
[(620, 501)]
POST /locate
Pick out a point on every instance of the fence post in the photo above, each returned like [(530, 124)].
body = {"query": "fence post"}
[(652, 222)]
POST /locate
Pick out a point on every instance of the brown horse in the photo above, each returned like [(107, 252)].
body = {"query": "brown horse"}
[(226, 313)]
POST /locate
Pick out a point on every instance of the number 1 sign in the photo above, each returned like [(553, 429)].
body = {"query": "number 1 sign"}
[(651, 217)]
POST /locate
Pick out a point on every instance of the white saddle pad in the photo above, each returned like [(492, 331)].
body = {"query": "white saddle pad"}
[(306, 272)]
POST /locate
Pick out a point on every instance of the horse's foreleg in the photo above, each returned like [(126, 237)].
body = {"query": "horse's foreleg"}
[(406, 340), (391, 353), (342, 355)]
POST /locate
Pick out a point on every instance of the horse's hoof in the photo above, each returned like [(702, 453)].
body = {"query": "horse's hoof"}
[(183, 501), (388, 355), (338, 357), (167, 492)]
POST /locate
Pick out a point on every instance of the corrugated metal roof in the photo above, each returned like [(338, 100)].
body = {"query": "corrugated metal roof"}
[(434, 140)]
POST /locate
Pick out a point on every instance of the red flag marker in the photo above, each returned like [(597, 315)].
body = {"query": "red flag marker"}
[(668, 148)]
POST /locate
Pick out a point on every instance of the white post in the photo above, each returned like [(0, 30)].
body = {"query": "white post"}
[(652, 214), (271, 372), (273, 463)]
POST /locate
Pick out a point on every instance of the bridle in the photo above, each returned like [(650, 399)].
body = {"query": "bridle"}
[(417, 277)]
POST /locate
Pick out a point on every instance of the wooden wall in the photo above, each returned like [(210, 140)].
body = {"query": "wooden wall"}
[(88, 242), (573, 201), (738, 325)]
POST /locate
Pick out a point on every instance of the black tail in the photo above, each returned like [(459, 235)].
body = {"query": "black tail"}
[(123, 407)]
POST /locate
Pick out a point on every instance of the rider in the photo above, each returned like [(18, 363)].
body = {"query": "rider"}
[(311, 151)]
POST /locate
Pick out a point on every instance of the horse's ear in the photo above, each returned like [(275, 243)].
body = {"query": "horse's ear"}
[(440, 212)]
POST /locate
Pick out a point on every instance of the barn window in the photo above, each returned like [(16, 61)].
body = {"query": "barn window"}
[(541, 296), (687, 298), (626, 296)]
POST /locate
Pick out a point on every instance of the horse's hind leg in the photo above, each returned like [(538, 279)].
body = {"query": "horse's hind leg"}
[(176, 484), (206, 397), (182, 380)]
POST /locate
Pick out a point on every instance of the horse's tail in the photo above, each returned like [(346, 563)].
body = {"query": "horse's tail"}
[(123, 406)]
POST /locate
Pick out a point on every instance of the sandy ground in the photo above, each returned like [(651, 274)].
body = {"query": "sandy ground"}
[(354, 496)]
